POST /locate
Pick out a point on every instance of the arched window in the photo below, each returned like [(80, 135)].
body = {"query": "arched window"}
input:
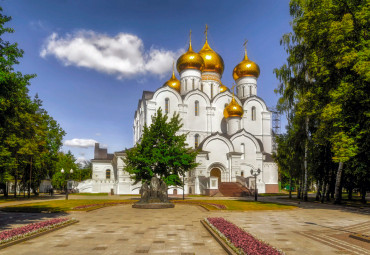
[(196, 106), (166, 105), (201, 87), (253, 113), (186, 84), (107, 174), (196, 141), (242, 174), (250, 90), (211, 90), (193, 83), (243, 91), (242, 150)]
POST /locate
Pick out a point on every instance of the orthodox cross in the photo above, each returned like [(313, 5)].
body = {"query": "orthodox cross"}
[(190, 35), (206, 31), (245, 46), (233, 89)]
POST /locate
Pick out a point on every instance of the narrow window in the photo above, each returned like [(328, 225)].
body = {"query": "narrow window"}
[(166, 105), (243, 90), (201, 87), (250, 90), (242, 173), (211, 90), (253, 113), (196, 106), (107, 174), (242, 150), (196, 141), (186, 84), (193, 83)]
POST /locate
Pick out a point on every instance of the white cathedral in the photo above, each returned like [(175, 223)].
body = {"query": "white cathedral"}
[(233, 133)]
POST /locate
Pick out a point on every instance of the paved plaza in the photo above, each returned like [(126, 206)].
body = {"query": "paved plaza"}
[(124, 230)]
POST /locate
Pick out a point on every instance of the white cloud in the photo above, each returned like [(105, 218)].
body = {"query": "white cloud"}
[(123, 55), (82, 143)]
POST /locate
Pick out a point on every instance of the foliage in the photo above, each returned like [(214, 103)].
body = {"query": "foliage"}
[(29, 137), (161, 152), (325, 81)]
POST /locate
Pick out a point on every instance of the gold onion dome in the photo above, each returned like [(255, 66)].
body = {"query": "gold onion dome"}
[(223, 88), (246, 68), (233, 110), (190, 60), (212, 61), (173, 82)]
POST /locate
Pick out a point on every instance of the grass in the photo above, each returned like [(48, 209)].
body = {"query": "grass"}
[(273, 194), (61, 205), (89, 194), (242, 205)]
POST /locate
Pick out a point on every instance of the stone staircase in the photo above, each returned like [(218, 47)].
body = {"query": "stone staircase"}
[(233, 189)]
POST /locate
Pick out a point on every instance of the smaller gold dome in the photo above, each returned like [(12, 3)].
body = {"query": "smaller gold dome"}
[(190, 60), (246, 68), (174, 82), (212, 61), (233, 110), (223, 88)]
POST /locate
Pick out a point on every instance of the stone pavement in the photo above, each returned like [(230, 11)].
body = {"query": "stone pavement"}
[(123, 230)]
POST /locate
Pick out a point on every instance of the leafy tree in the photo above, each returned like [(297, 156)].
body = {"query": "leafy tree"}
[(326, 78), (67, 162), (161, 152)]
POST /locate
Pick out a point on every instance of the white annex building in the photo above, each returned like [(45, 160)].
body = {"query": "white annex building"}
[(232, 133)]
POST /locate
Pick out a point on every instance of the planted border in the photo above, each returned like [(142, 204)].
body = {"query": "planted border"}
[(20, 233), (239, 240), (81, 207), (217, 206)]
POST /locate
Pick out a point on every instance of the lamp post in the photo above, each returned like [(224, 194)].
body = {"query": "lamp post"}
[(255, 173), (71, 172)]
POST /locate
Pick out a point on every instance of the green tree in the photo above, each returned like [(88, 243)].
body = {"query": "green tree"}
[(327, 75), (161, 152), (67, 162)]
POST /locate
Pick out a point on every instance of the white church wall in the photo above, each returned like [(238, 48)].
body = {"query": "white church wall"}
[(218, 121), (250, 149), (99, 170), (253, 126), (193, 122)]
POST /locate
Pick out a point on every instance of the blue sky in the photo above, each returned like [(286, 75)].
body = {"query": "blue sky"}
[(93, 59)]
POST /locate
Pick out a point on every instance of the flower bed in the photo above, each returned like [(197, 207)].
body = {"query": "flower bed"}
[(238, 239), (217, 206), (30, 229), (99, 205)]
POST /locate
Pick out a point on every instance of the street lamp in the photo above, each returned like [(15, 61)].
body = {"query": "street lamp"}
[(255, 173), (71, 172)]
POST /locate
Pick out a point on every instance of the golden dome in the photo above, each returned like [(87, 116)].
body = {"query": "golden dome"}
[(190, 60), (233, 109), (246, 68), (212, 61), (174, 82), (223, 88)]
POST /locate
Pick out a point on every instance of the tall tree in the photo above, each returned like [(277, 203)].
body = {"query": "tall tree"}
[(161, 152), (328, 73)]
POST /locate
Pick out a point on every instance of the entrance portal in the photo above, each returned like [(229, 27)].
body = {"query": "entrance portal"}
[(216, 173)]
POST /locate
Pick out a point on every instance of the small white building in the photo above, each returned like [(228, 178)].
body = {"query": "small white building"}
[(232, 133)]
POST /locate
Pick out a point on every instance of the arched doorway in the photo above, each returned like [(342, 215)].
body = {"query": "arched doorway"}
[(175, 191), (216, 172)]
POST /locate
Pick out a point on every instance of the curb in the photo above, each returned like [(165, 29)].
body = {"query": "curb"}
[(5, 245), (223, 244)]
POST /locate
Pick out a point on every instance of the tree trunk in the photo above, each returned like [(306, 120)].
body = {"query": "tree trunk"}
[(323, 191), (290, 187), (15, 182), (305, 164), (299, 190), (318, 192), (350, 192), (338, 186), (29, 184), (363, 195), (327, 192)]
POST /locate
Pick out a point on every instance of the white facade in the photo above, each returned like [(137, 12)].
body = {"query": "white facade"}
[(230, 147)]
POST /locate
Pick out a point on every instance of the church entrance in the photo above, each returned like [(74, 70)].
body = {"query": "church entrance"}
[(216, 173)]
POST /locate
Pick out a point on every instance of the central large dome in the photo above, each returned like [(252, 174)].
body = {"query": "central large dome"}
[(212, 61)]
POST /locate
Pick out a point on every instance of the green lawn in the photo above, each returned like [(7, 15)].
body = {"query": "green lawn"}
[(240, 205), (62, 205), (89, 194)]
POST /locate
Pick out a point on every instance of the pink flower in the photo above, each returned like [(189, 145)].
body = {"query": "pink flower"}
[(241, 239)]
